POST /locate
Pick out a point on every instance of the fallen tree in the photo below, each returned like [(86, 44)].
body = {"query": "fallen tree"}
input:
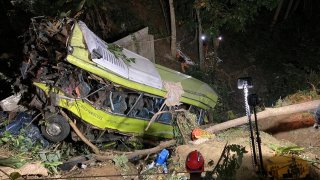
[(268, 112)]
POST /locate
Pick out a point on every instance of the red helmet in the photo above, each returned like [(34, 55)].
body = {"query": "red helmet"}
[(195, 162)]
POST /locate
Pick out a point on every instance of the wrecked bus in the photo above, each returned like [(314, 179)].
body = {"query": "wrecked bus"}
[(114, 92)]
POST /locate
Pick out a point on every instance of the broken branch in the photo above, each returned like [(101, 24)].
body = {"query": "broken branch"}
[(154, 117), (136, 153), (94, 148)]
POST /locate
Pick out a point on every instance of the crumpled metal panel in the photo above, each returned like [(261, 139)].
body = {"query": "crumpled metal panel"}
[(141, 70)]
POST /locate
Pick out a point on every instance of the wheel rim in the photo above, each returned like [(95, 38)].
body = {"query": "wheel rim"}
[(53, 129)]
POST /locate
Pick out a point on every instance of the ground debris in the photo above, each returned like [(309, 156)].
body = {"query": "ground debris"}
[(28, 169)]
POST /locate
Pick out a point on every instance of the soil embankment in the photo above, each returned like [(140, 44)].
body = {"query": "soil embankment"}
[(296, 128)]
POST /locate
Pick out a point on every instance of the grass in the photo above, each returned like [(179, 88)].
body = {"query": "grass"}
[(298, 97), (233, 133)]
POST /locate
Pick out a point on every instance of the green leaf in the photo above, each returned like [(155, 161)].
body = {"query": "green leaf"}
[(5, 139), (43, 156), (131, 60), (80, 5), (65, 14), (13, 161), (51, 157), (53, 164), (7, 134)]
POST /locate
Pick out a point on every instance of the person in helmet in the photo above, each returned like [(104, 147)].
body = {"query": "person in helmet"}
[(195, 164)]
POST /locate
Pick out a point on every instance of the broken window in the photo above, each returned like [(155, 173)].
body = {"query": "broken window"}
[(120, 100), (200, 113), (165, 117)]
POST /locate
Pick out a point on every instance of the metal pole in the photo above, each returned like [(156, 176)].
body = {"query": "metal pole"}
[(261, 169), (245, 90)]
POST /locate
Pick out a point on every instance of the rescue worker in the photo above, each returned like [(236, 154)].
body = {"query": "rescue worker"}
[(183, 62), (317, 118), (205, 48), (195, 164)]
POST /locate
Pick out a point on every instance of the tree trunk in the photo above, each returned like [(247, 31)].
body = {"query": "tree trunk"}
[(296, 5), (269, 112), (165, 16), (195, 38), (275, 18), (288, 9), (201, 58), (216, 43), (173, 30)]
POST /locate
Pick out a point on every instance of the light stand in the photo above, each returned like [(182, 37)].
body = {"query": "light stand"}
[(245, 83), (253, 101)]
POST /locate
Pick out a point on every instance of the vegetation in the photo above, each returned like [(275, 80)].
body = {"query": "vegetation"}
[(232, 160), (117, 52), (234, 15), (281, 150), (26, 150), (13, 161), (121, 162)]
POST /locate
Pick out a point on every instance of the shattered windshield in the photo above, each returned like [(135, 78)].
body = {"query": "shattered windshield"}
[(126, 102)]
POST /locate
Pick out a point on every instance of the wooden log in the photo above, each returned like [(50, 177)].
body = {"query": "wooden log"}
[(268, 112)]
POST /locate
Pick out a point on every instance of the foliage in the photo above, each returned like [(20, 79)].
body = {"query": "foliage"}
[(232, 160), (280, 150), (231, 115), (177, 133), (60, 8), (298, 97), (231, 14), (232, 133), (220, 112), (117, 51), (28, 150), (183, 126), (121, 162), (135, 143), (19, 143), (51, 160), (298, 85), (13, 161), (313, 78)]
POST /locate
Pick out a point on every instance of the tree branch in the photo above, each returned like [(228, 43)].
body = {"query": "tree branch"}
[(136, 153), (94, 148)]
